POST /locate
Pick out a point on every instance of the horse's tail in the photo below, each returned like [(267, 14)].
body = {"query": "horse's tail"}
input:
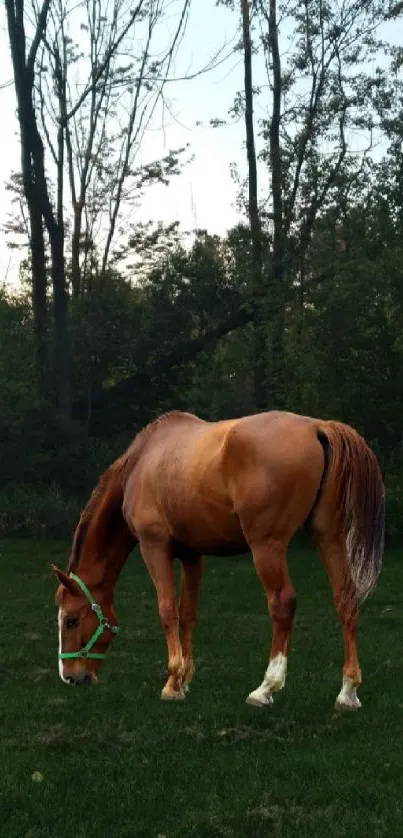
[(355, 481)]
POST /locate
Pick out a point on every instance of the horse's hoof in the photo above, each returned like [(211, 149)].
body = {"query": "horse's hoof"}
[(347, 698), (172, 695), (347, 704), (257, 699)]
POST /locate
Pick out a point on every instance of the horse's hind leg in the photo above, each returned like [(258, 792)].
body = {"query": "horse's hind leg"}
[(271, 567), (158, 558), (334, 556), (190, 583)]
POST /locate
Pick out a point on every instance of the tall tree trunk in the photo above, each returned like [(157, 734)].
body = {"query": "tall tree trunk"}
[(75, 252), (23, 77), (37, 193), (39, 303), (276, 278), (55, 229), (60, 295), (60, 309), (259, 296)]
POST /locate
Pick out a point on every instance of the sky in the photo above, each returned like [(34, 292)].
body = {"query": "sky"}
[(204, 195)]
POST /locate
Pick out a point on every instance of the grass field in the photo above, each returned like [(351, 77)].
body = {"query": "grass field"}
[(117, 762)]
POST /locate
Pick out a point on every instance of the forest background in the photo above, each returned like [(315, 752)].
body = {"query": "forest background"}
[(115, 317)]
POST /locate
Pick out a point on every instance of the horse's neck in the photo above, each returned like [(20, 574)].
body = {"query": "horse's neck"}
[(102, 541), (104, 553)]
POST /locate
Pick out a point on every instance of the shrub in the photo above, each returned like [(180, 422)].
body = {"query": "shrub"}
[(44, 512), (394, 508)]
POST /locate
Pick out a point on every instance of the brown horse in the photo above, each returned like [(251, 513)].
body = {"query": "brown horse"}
[(185, 488)]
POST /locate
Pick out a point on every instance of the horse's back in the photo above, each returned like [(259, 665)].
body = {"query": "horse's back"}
[(202, 482), (176, 485)]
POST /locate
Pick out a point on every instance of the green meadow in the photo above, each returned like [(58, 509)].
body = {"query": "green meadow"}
[(116, 762)]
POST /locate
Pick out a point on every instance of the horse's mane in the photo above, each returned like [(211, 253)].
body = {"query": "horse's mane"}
[(92, 509), (107, 496)]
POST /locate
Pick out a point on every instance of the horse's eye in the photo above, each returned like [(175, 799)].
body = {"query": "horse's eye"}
[(71, 622)]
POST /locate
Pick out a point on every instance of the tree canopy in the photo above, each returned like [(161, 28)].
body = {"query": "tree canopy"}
[(298, 307)]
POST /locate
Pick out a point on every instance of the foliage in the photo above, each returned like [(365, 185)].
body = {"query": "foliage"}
[(322, 112), (343, 351), (83, 107), (173, 322), (37, 511)]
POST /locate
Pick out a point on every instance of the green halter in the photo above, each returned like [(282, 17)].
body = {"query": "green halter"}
[(85, 652)]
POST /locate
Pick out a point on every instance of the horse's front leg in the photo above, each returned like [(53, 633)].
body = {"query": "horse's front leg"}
[(190, 583), (158, 558)]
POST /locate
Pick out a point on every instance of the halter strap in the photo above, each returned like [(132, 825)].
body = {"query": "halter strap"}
[(104, 624)]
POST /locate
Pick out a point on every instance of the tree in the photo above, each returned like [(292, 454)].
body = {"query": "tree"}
[(189, 300), (23, 65), (105, 124), (40, 206), (66, 129), (259, 295), (320, 98)]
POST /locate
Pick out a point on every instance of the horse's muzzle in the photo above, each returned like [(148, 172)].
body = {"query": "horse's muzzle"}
[(80, 679)]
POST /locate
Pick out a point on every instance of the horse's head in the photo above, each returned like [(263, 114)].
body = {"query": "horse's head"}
[(86, 627)]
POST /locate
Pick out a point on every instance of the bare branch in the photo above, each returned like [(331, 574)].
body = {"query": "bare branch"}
[(40, 29), (131, 135), (105, 63)]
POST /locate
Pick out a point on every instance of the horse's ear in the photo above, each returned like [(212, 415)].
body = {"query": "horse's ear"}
[(65, 580)]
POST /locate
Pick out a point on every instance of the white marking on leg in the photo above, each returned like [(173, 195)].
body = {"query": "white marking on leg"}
[(273, 681), (60, 620), (276, 672), (347, 697)]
